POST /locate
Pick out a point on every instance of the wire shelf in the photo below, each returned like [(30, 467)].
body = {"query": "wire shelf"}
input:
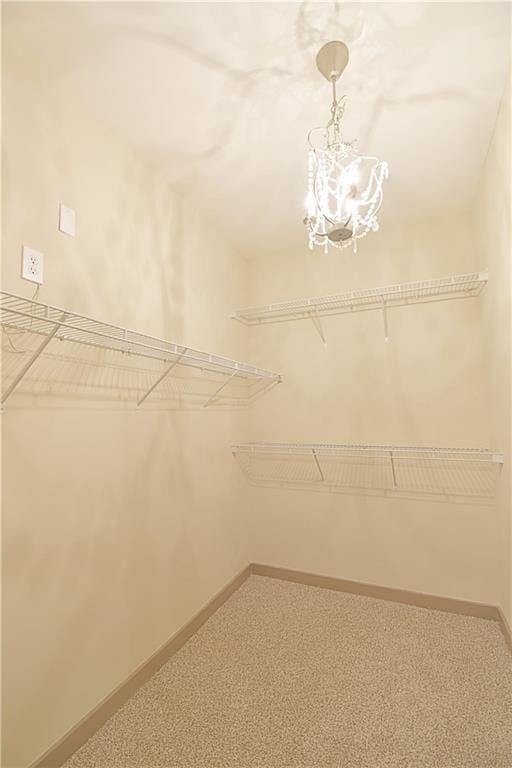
[(390, 468), (421, 291), (32, 329)]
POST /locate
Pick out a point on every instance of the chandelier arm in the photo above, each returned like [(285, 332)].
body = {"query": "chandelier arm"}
[(319, 206), (317, 128), (333, 221)]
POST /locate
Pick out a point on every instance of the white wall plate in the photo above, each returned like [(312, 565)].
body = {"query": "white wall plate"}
[(67, 220)]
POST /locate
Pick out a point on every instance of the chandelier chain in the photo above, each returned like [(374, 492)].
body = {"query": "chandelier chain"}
[(337, 112)]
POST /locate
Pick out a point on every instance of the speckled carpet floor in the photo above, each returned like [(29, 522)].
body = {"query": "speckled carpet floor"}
[(289, 675)]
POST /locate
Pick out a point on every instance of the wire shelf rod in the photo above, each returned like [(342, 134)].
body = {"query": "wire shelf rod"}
[(25, 315), (445, 472), (483, 455), (455, 286)]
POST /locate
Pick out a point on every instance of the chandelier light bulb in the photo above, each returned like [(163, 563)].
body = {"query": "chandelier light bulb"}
[(344, 188)]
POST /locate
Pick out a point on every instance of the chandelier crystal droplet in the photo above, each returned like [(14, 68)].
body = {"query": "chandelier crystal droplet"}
[(344, 191)]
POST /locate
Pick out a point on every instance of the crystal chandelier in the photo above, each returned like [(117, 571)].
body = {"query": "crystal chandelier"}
[(344, 188)]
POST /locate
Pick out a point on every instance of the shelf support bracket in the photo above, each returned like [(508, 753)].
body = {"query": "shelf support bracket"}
[(160, 378), (263, 389), (322, 477), (385, 319), (10, 389), (315, 319), (217, 391), (393, 469)]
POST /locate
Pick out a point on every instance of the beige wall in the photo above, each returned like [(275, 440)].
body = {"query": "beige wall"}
[(491, 220), (426, 386), (118, 525)]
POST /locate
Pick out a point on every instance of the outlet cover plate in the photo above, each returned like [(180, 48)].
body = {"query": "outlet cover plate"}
[(32, 262), (67, 220)]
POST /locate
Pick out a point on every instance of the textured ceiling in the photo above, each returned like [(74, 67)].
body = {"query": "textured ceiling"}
[(221, 96)]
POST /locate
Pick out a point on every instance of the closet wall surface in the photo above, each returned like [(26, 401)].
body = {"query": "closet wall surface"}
[(118, 525), (491, 221), (426, 386)]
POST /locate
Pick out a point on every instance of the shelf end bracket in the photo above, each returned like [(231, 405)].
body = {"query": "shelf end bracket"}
[(214, 396), (315, 319), (322, 476), (161, 378), (385, 319), (393, 469), (10, 389)]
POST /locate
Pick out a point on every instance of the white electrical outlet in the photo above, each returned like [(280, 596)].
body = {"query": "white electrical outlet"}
[(32, 265)]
